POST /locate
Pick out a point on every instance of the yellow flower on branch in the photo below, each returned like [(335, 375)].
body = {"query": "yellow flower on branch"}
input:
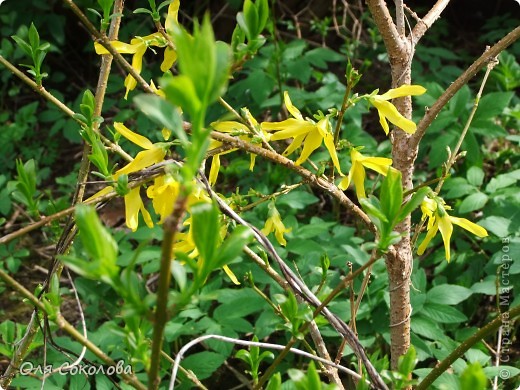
[(138, 46), (357, 172), (438, 219), (274, 224), (388, 111), (304, 131), (152, 154), (244, 133)]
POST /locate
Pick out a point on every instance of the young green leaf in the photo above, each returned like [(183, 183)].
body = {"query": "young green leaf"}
[(205, 225)]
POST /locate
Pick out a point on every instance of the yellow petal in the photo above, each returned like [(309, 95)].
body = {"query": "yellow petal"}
[(137, 139), (170, 56), (171, 18), (252, 161), (289, 128), (133, 204), (389, 111), (229, 126), (403, 90), (378, 164), (311, 143), (328, 139), (166, 133), (268, 226), (230, 274), (104, 191), (358, 177), (383, 122), (213, 172), (446, 229), (121, 47), (469, 226), (295, 144), (344, 183), (143, 159), (146, 216), (429, 235), (292, 110)]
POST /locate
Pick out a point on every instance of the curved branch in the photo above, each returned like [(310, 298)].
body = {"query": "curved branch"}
[(482, 61), (507, 317), (428, 20), (393, 43), (306, 174)]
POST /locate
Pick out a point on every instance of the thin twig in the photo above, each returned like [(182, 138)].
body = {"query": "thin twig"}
[(296, 351), (491, 327)]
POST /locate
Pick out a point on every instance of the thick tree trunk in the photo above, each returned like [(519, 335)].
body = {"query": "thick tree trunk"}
[(400, 266)]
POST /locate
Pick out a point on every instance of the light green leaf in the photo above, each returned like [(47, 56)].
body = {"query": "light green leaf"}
[(473, 378), (205, 225), (473, 202), (391, 194), (496, 225), (162, 113), (475, 176), (233, 245), (448, 294)]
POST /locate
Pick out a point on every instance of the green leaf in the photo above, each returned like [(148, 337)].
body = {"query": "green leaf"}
[(412, 204), (391, 194), (443, 313), (233, 245), (275, 383), (97, 241), (162, 113), (473, 202), (180, 91), (473, 378), (448, 294), (458, 103), (492, 104), (475, 176), (23, 45), (34, 37), (251, 18), (205, 225), (313, 379), (203, 364), (499, 226), (408, 361)]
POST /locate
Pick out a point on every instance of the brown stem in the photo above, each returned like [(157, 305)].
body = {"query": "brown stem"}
[(454, 87), (170, 227), (441, 367)]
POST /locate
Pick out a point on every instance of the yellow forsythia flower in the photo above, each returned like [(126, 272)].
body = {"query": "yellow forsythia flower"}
[(438, 219), (138, 46), (357, 172), (388, 111), (304, 131), (274, 224)]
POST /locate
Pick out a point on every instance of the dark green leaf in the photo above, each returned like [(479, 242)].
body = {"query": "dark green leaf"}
[(203, 364)]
